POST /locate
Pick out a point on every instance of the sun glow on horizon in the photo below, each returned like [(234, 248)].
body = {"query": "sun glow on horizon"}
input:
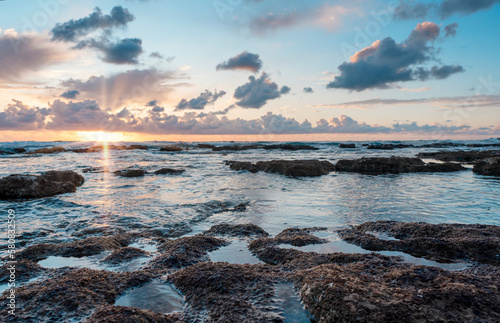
[(100, 136)]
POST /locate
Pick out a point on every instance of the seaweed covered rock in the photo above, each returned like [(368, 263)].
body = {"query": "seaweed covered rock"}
[(71, 295), (443, 242), (169, 171), (50, 150), (33, 186), (23, 270), (393, 165), (228, 292), (171, 149), (470, 157), (488, 167), (131, 173), (124, 254), (379, 290), (80, 248), (292, 168), (123, 314), (237, 230), (185, 251)]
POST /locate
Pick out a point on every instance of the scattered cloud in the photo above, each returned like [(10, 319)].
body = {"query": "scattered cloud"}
[(451, 30), (200, 102), (70, 94), (125, 51), (308, 90), (257, 92), (386, 62), (409, 10), (244, 61)]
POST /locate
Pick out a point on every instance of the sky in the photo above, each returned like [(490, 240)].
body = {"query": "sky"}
[(249, 70)]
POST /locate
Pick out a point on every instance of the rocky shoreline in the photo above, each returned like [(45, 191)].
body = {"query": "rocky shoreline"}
[(333, 286)]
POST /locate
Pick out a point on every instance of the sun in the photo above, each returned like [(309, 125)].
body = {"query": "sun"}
[(100, 136)]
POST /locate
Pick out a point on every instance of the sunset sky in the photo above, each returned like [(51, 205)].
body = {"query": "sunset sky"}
[(249, 69)]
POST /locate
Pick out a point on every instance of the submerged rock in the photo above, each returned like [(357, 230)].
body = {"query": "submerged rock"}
[(347, 146), (185, 251), (443, 242), (51, 150), (237, 230), (489, 167), (292, 168), (169, 171), (393, 165), (123, 314), (461, 156), (171, 148), (32, 186), (227, 292), (379, 290), (70, 296), (124, 254), (131, 173)]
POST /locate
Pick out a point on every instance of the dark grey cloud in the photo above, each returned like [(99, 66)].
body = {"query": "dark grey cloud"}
[(135, 86), (23, 54), (152, 103), (451, 30), (89, 116), (257, 92), (308, 90), (285, 89), (386, 62), (200, 102), (74, 29), (70, 94), (409, 10), (244, 61), (125, 51)]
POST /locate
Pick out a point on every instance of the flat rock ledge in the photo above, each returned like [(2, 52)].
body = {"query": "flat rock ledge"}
[(33, 186), (292, 168)]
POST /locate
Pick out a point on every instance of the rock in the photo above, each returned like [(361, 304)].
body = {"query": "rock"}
[(461, 156), (137, 147), (291, 147), (124, 254), (443, 242), (488, 167), (24, 271), (241, 207), (171, 148), (169, 171), (32, 186), (347, 146), (379, 290), (393, 165), (227, 292), (131, 173), (388, 146), (236, 147), (70, 296), (94, 170), (185, 251), (122, 314), (293, 168), (80, 248), (20, 150), (237, 230), (51, 150), (205, 146), (441, 145)]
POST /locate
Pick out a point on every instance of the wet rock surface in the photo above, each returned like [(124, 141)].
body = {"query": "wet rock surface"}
[(347, 146), (171, 149), (72, 294), (289, 147), (238, 230), (388, 146), (33, 186), (488, 167), (461, 156), (292, 168), (131, 173), (124, 254), (122, 314), (443, 242), (393, 165), (228, 292), (169, 171)]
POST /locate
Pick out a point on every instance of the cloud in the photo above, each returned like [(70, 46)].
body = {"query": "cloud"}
[(308, 90), (152, 103), (244, 61), (23, 54), (409, 10), (125, 51), (70, 94), (257, 92), (451, 30), (386, 62), (285, 89), (88, 116), (200, 102), (133, 86), (74, 29)]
